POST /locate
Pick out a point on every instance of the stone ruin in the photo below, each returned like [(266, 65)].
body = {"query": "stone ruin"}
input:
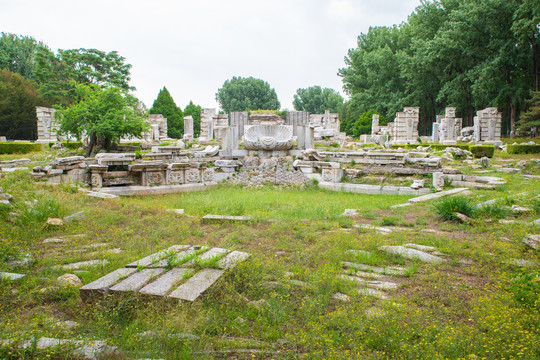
[(325, 125), (447, 128), (47, 126), (188, 128), (404, 129), (487, 126)]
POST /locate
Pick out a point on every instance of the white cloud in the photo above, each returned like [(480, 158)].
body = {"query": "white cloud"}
[(192, 47)]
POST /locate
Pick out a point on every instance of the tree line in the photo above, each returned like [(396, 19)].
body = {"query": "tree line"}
[(468, 54)]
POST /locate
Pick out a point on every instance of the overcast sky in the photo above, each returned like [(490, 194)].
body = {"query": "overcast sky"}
[(192, 47)]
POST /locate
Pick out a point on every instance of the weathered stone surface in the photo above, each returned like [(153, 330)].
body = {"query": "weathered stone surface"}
[(374, 284), (510, 170), (176, 211), (11, 276), (411, 253), (207, 219), (137, 280), (420, 247), (464, 218), (178, 259), (103, 284), (521, 262), (101, 195), (55, 222), (358, 252), (75, 217), (157, 190), (67, 280), (164, 283), (83, 264), (196, 285), (350, 212), (372, 292), (232, 259), (389, 270), (341, 297), (520, 209), (436, 195), (533, 241), (147, 261), (418, 184)]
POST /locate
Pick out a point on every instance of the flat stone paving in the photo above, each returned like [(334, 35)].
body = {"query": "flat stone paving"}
[(225, 218), (194, 270)]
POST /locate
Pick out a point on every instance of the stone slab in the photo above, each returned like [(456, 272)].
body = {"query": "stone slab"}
[(137, 280), (177, 259), (196, 285), (83, 264), (164, 284), (420, 247), (389, 270), (158, 190), (150, 259), (436, 195), (372, 292), (11, 276), (412, 253), (101, 195), (232, 259), (103, 284), (208, 219), (374, 284)]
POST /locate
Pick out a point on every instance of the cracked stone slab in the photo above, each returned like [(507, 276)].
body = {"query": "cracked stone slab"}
[(136, 281), (196, 285), (374, 284), (436, 195), (84, 264), (11, 276), (420, 247), (232, 259), (411, 253), (533, 241)]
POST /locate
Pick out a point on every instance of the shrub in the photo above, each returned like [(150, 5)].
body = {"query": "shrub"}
[(447, 207), (523, 149), (73, 145), (19, 147), (482, 151)]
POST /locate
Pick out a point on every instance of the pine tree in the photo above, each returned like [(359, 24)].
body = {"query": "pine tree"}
[(529, 123), (165, 105)]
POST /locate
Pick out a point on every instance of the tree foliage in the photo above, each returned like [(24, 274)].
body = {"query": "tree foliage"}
[(18, 100), (469, 54), (363, 124), (58, 73), (104, 114), (18, 54), (530, 120), (165, 105), (195, 112), (316, 100), (245, 94)]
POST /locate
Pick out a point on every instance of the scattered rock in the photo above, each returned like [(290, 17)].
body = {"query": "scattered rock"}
[(464, 218), (341, 297), (484, 161), (176, 211), (55, 222), (510, 170), (11, 276), (521, 262), (350, 212), (418, 184), (533, 241), (6, 203), (520, 209), (411, 253), (69, 280), (5, 196), (522, 164), (75, 217), (67, 325)]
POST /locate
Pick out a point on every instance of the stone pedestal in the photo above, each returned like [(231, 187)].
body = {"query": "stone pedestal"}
[(188, 128)]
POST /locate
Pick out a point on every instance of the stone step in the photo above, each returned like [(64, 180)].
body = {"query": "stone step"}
[(177, 259), (374, 284), (196, 285), (103, 284), (137, 280), (163, 285), (372, 292), (84, 264), (412, 253), (420, 247)]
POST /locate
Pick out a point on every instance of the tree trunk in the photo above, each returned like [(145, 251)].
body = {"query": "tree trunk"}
[(91, 144), (512, 118)]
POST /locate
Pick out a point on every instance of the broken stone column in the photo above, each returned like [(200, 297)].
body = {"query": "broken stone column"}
[(296, 118), (47, 126), (375, 125), (207, 124), (188, 128), (239, 120)]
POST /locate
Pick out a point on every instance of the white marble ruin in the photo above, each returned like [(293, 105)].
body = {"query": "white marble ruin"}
[(404, 129), (188, 128), (487, 126), (325, 125), (268, 137), (447, 128), (47, 126), (213, 126)]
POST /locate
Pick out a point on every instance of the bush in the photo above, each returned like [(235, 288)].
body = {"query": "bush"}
[(447, 207), (19, 147), (72, 145), (523, 149), (482, 151)]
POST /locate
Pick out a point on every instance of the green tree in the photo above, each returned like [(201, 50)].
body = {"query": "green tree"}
[(18, 54), (530, 120), (245, 94), (195, 112), (363, 124), (316, 100), (165, 105), (104, 114), (18, 100), (58, 73)]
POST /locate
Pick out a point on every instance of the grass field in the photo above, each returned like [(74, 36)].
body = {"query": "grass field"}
[(472, 306)]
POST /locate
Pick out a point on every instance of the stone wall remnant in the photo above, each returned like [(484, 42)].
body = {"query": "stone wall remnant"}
[(404, 129), (47, 126), (487, 126)]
